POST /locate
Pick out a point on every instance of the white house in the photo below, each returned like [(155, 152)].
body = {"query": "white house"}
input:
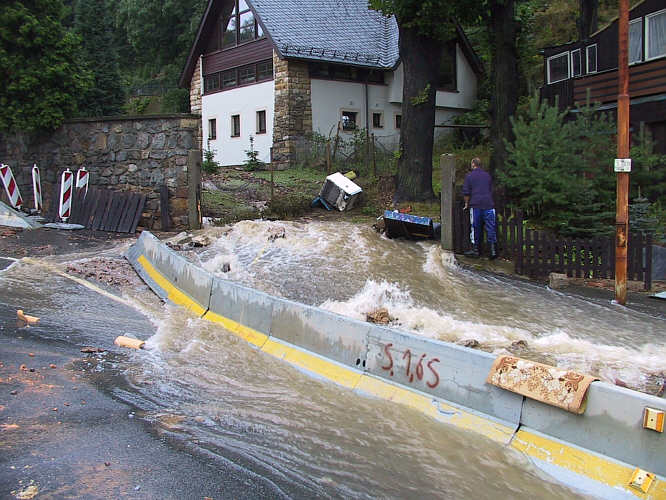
[(279, 70)]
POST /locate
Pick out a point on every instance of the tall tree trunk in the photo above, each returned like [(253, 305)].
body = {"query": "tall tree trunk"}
[(504, 62), (587, 22), (420, 66)]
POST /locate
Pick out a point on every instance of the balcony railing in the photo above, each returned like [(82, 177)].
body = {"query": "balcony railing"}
[(648, 78)]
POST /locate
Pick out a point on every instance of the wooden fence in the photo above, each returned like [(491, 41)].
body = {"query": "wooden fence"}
[(539, 253)]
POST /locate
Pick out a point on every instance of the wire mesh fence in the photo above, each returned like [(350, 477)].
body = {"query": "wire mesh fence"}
[(363, 152)]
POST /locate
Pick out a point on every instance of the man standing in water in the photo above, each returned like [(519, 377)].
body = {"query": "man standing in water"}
[(478, 193)]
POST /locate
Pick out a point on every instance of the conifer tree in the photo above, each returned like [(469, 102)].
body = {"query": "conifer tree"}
[(40, 66), (94, 24)]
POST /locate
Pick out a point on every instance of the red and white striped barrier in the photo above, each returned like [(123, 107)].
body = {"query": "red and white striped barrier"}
[(11, 188), (65, 209), (82, 176), (37, 188)]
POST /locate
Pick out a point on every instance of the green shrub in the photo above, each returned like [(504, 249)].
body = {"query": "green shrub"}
[(176, 101), (209, 164)]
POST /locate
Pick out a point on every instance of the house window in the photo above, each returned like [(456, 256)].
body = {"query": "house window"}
[(636, 41), (212, 129), (576, 64), (398, 121), (377, 120), (655, 35), (229, 78), (591, 53), (558, 67), (241, 27), (212, 82), (265, 70), (446, 77), (349, 120), (261, 122), (247, 74), (235, 125)]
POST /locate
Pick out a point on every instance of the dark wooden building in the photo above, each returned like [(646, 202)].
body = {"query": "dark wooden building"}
[(589, 67)]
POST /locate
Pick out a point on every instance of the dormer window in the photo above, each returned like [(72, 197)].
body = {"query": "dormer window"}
[(636, 40), (655, 35), (241, 27), (558, 67), (591, 53), (576, 66)]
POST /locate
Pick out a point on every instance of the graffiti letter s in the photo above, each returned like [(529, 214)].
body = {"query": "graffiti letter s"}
[(436, 382)]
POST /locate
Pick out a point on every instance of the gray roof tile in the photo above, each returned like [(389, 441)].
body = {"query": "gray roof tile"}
[(343, 31)]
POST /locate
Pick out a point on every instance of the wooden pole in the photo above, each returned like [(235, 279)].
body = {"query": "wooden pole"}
[(448, 198), (622, 200), (328, 157), (374, 157)]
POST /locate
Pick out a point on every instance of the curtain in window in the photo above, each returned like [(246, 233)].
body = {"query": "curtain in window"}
[(657, 35), (635, 41)]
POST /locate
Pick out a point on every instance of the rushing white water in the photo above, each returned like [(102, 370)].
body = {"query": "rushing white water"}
[(199, 384), (352, 270)]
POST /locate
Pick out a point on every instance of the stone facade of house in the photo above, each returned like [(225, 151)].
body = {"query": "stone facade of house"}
[(137, 154), (293, 108)]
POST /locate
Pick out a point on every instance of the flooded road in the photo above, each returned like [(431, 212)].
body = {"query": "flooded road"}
[(199, 384)]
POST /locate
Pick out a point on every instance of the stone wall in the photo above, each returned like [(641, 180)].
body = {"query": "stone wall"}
[(293, 108), (123, 154), (195, 89)]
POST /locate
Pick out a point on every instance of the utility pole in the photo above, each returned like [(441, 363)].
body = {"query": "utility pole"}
[(623, 162)]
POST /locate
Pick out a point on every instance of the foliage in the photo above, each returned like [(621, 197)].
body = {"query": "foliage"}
[(640, 219), (94, 25), (176, 101), (648, 169), (560, 171), (289, 205), (159, 32), (209, 164), (40, 66), (137, 105), (252, 162)]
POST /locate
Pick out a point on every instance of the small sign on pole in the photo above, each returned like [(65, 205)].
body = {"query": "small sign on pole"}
[(623, 164)]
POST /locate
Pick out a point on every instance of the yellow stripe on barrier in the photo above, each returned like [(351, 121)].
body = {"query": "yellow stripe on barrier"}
[(173, 293), (584, 463), (537, 446), (244, 332), (436, 409), (320, 366)]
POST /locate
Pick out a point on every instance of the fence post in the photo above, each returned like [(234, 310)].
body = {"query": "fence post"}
[(328, 157), (194, 189), (447, 162), (519, 242), (648, 261), (374, 157)]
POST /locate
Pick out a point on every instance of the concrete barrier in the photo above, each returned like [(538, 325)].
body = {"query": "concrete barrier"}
[(336, 337), (171, 276), (597, 452), (447, 371), (612, 425)]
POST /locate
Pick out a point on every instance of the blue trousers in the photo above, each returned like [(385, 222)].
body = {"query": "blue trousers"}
[(478, 218)]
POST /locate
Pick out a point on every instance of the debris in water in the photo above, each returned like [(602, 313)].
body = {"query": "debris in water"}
[(226, 267), (471, 343), (30, 492), (380, 317), (275, 233), (338, 191), (129, 342), (31, 320), (519, 344), (52, 365), (399, 224), (89, 350)]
